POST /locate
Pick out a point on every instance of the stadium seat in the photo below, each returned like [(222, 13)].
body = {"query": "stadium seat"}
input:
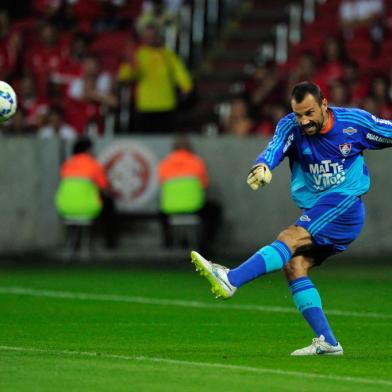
[(180, 200), (185, 229)]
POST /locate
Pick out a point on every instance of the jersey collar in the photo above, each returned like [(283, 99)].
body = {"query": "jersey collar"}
[(330, 122)]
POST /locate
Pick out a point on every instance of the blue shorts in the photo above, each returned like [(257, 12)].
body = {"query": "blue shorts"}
[(333, 222)]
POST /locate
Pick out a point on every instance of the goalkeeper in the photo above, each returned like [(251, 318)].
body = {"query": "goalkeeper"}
[(324, 146)]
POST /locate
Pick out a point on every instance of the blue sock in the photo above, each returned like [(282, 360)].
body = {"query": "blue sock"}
[(308, 301), (270, 258)]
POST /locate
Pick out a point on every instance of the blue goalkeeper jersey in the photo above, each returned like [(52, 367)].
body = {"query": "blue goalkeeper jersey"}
[(331, 161)]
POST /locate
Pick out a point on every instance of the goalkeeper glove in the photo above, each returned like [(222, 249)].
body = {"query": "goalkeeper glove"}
[(259, 176)]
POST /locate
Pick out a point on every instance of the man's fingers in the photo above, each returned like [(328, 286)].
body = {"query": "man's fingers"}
[(259, 176), (253, 182)]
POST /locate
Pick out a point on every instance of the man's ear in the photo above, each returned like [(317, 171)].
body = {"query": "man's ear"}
[(324, 104)]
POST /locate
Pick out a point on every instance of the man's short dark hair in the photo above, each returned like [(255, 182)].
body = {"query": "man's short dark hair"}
[(82, 144), (301, 90)]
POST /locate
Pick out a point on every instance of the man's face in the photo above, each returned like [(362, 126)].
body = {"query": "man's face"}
[(311, 116), (150, 37)]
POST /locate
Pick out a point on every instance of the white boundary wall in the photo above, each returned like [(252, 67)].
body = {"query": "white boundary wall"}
[(29, 176)]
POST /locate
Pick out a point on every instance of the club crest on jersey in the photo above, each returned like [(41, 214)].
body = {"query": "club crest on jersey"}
[(345, 148), (350, 131)]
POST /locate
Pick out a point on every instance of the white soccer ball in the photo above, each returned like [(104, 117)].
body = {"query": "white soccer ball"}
[(8, 102)]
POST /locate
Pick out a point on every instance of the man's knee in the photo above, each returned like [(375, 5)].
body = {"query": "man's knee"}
[(295, 237), (297, 267)]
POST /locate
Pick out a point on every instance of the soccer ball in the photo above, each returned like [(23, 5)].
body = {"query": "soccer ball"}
[(8, 102)]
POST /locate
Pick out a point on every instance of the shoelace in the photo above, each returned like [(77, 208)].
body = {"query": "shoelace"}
[(224, 281), (217, 266), (316, 341)]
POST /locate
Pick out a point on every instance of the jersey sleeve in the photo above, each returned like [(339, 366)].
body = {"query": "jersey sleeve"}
[(280, 144), (376, 132)]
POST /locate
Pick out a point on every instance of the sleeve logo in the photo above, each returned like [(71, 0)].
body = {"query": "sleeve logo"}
[(381, 120), (378, 139)]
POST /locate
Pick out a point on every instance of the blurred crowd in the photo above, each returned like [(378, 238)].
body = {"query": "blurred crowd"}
[(324, 58), (67, 60)]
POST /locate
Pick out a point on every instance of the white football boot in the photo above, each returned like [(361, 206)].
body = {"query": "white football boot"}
[(216, 274), (319, 347)]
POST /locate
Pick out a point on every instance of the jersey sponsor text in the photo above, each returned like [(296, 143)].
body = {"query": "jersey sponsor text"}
[(326, 174)]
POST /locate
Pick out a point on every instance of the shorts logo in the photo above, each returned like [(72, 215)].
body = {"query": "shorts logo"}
[(349, 131), (304, 218), (345, 148)]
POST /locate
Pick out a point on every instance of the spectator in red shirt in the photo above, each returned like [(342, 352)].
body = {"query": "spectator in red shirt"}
[(267, 125), (36, 107), (339, 94), (45, 7), (305, 69), (379, 91), (264, 89), (56, 127), (356, 86), (73, 66), (369, 104), (10, 48), (90, 96), (333, 56), (264, 85), (58, 12), (238, 121), (82, 12), (363, 20), (46, 57)]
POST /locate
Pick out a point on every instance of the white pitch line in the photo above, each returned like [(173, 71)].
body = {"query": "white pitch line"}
[(173, 302), (222, 366)]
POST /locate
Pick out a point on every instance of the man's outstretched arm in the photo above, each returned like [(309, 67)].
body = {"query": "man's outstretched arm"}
[(260, 174)]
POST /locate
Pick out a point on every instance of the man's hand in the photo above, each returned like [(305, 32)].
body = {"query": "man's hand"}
[(259, 176)]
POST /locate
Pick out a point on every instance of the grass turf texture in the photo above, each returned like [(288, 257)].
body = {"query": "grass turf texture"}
[(102, 343)]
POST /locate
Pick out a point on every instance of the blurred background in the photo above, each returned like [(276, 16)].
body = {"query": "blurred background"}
[(163, 90)]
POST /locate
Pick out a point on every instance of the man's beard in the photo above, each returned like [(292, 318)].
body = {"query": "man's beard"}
[(316, 126)]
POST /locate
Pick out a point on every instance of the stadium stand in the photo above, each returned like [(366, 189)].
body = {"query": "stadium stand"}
[(225, 43), (247, 50)]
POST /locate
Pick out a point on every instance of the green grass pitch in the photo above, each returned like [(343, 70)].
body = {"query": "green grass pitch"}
[(133, 329)]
